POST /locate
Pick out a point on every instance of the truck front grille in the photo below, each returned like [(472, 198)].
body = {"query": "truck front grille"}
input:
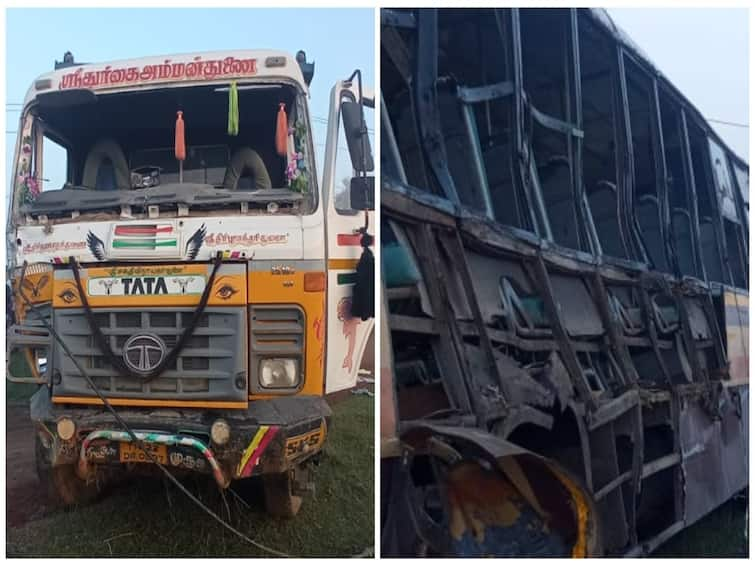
[(211, 366)]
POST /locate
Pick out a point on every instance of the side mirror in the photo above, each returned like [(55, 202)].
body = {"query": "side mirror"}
[(362, 192), (356, 137)]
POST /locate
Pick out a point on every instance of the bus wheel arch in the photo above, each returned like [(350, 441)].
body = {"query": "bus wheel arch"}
[(539, 508)]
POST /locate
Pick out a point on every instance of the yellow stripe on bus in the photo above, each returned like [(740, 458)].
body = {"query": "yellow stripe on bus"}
[(736, 299)]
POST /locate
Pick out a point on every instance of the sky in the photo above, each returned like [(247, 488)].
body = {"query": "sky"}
[(337, 40), (703, 51)]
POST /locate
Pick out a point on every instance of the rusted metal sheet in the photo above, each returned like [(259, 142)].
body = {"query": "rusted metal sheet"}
[(499, 499), (714, 450)]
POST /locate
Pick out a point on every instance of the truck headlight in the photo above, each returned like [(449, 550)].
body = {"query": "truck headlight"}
[(279, 373), (220, 432), (66, 428)]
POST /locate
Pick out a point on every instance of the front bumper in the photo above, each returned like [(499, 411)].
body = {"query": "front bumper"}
[(270, 436)]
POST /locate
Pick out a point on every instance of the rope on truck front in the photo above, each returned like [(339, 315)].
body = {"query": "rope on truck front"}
[(131, 433)]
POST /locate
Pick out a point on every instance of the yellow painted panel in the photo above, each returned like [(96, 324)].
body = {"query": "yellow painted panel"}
[(266, 288), (37, 288), (349, 264)]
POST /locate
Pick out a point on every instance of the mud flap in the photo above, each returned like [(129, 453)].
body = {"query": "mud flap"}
[(468, 493)]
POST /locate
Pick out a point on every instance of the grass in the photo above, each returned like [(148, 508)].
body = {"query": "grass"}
[(152, 519), (147, 517), (721, 534)]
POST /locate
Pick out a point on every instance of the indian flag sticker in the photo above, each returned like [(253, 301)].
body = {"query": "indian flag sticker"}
[(144, 236), (130, 239)]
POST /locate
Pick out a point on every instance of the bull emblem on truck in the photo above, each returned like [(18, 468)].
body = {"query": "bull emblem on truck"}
[(35, 288), (182, 282), (108, 284)]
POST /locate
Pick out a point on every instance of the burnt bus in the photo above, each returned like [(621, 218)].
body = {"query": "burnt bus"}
[(565, 277)]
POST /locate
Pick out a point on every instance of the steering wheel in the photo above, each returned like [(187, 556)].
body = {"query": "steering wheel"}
[(145, 176)]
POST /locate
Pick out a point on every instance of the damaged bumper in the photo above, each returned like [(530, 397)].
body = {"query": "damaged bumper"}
[(271, 436)]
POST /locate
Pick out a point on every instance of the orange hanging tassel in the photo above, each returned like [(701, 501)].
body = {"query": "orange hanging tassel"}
[(281, 131), (180, 141)]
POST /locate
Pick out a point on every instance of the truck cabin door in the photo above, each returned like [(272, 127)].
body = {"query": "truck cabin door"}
[(348, 182)]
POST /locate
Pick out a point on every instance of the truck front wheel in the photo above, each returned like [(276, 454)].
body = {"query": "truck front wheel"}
[(279, 499)]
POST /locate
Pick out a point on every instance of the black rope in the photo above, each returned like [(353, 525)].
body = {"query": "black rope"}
[(103, 343)]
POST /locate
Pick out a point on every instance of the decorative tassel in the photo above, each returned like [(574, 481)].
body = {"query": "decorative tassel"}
[(281, 131), (233, 110), (180, 141), (363, 293)]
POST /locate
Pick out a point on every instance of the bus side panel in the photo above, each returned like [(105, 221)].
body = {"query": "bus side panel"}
[(714, 452)]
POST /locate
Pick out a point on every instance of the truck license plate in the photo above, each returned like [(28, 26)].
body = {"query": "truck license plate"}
[(131, 453)]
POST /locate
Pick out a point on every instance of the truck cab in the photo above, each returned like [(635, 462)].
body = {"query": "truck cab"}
[(170, 260)]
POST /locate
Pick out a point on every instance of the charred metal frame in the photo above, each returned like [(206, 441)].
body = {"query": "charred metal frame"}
[(624, 415)]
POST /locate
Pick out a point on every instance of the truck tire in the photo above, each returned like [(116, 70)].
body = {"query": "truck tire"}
[(41, 461), (64, 487), (279, 501)]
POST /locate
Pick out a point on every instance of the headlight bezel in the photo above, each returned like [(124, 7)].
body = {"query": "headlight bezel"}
[(277, 331)]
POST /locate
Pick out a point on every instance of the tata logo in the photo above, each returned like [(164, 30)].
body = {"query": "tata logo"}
[(144, 286), (142, 353)]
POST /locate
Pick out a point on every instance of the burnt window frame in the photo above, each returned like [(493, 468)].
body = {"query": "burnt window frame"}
[(743, 204), (468, 98), (388, 137), (737, 225), (570, 126), (641, 249), (743, 208), (669, 92), (423, 49), (405, 21), (619, 150), (708, 184)]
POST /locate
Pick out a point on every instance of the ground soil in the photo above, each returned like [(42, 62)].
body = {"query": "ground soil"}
[(25, 498)]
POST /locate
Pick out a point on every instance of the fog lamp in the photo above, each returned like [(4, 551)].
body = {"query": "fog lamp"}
[(220, 432), (66, 428), (279, 373)]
